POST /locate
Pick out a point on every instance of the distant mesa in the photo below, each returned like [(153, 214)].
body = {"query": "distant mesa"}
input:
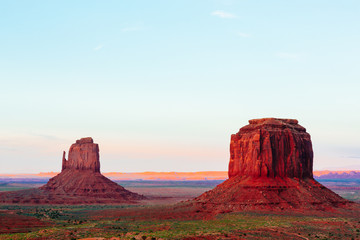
[(80, 182), (270, 168)]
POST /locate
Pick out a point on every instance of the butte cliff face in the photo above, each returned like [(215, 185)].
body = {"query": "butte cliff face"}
[(270, 168), (271, 147), (80, 182), (83, 155)]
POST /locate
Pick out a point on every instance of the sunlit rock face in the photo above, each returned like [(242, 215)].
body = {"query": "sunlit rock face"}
[(80, 182), (271, 147), (80, 175), (270, 169), (83, 155)]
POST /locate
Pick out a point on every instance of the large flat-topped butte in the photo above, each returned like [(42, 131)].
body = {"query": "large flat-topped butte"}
[(270, 168)]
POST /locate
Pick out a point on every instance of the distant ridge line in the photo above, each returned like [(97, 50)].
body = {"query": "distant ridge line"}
[(200, 175)]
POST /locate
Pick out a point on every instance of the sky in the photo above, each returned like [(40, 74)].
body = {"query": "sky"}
[(162, 85)]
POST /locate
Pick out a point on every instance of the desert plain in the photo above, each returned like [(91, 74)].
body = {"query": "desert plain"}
[(116, 222)]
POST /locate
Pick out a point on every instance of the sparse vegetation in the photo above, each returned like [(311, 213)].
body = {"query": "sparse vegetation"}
[(82, 221), (74, 222)]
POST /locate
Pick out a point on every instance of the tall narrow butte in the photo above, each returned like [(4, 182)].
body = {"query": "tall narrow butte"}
[(270, 168), (81, 179), (83, 155), (80, 182)]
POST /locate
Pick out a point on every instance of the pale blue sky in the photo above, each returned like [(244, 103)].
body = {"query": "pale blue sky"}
[(161, 85)]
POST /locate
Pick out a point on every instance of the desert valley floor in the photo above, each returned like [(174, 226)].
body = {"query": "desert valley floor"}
[(151, 220)]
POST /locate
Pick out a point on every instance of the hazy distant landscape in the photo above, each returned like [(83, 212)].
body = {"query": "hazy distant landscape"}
[(344, 183)]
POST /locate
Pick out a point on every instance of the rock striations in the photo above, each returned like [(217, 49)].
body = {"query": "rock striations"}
[(270, 168), (271, 147), (83, 155), (80, 182)]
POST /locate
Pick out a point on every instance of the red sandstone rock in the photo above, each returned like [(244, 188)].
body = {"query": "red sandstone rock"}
[(83, 155), (80, 182), (270, 168), (271, 147)]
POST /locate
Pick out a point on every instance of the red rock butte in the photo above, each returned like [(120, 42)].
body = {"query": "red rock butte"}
[(271, 147), (270, 168), (80, 182), (83, 155)]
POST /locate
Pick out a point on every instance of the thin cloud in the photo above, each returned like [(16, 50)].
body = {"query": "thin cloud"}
[(287, 55), (47, 137), (10, 149), (223, 14), (130, 29), (244, 35), (98, 47), (226, 2)]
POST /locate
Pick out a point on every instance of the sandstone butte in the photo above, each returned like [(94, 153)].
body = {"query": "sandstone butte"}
[(79, 182), (270, 168)]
